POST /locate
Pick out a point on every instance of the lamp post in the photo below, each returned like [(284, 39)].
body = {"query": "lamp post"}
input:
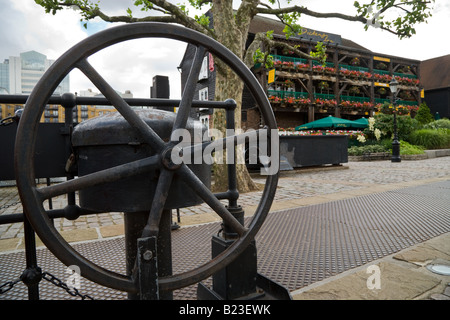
[(393, 86)]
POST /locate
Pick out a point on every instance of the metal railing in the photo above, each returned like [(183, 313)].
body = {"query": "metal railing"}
[(32, 274)]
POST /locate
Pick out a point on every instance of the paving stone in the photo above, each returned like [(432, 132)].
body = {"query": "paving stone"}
[(439, 296), (396, 283)]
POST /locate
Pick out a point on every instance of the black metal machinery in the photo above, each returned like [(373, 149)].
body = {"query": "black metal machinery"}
[(123, 163)]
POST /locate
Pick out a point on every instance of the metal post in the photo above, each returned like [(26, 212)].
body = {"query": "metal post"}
[(32, 275), (68, 101), (231, 166), (395, 142), (238, 279), (136, 257)]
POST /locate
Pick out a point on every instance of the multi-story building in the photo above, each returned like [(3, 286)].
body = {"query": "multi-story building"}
[(435, 74), (56, 113), (19, 75), (352, 84)]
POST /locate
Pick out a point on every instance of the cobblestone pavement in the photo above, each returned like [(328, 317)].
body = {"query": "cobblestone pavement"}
[(299, 184)]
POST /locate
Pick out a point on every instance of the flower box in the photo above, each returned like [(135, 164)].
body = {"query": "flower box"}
[(314, 150)]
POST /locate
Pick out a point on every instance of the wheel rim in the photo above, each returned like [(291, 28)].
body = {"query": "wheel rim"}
[(32, 197)]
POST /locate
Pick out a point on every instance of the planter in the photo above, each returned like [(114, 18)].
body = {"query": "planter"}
[(50, 151), (304, 151)]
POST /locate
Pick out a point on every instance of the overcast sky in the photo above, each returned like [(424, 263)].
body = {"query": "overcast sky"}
[(24, 26)]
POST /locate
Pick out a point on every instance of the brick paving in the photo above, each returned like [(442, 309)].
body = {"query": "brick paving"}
[(298, 184)]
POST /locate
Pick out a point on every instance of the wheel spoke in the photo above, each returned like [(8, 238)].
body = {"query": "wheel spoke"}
[(189, 90), (159, 200), (150, 136), (222, 143), (203, 192), (100, 177)]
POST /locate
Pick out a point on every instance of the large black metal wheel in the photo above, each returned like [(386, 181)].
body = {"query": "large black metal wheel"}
[(33, 196)]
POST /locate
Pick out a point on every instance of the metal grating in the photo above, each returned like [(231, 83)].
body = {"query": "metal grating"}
[(296, 247)]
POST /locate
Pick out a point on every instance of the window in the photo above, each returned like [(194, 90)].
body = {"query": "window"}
[(204, 70), (203, 94)]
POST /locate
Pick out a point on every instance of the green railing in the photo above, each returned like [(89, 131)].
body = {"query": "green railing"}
[(289, 59), (399, 102), (405, 75), (355, 99), (328, 64), (299, 60), (380, 71), (287, 94), (354, 68), (324, 96), (379, 100)]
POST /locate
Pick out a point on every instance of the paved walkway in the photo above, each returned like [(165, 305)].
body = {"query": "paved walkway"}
[(296, 189)]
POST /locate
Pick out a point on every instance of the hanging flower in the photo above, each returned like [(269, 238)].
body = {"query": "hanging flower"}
[(381, 66), (382, 90), (355, 61), (354, 90), (323, 85)]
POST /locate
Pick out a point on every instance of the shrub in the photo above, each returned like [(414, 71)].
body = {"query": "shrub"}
[(406, 148), (438, 124), (424, 115), (359, 151), (431, 138), (405, 125)]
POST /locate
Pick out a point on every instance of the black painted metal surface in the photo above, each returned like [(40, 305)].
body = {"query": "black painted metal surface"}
[(50, 151), (305, 151)]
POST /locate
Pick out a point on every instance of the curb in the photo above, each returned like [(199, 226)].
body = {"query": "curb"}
[(378, 156)]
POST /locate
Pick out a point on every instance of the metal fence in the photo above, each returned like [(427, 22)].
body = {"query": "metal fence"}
[(53, 148)]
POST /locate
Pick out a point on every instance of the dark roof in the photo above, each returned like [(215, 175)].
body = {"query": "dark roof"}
[(435, 73), (263, 24)]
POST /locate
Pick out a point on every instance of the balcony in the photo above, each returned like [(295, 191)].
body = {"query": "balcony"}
[(294, 64)]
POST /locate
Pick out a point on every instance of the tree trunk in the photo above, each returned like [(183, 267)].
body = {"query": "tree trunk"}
[(229, 86)]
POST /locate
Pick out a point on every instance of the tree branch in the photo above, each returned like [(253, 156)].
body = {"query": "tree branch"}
[(262, 39), (173, 14), (304, 10), (182, 17), (404, 30)]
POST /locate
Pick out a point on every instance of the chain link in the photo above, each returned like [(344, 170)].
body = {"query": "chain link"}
[(57, 282), (53, 280), (8, 121), (6, 206), (8, 286)]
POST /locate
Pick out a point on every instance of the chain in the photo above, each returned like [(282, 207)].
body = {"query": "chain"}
[(6, 206), (12, 119), (52, 279), (8, 286), (57, 282), (8, 121)]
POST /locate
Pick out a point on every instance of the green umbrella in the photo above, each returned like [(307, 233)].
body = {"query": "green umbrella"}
[(331, 122), (363, 121)]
